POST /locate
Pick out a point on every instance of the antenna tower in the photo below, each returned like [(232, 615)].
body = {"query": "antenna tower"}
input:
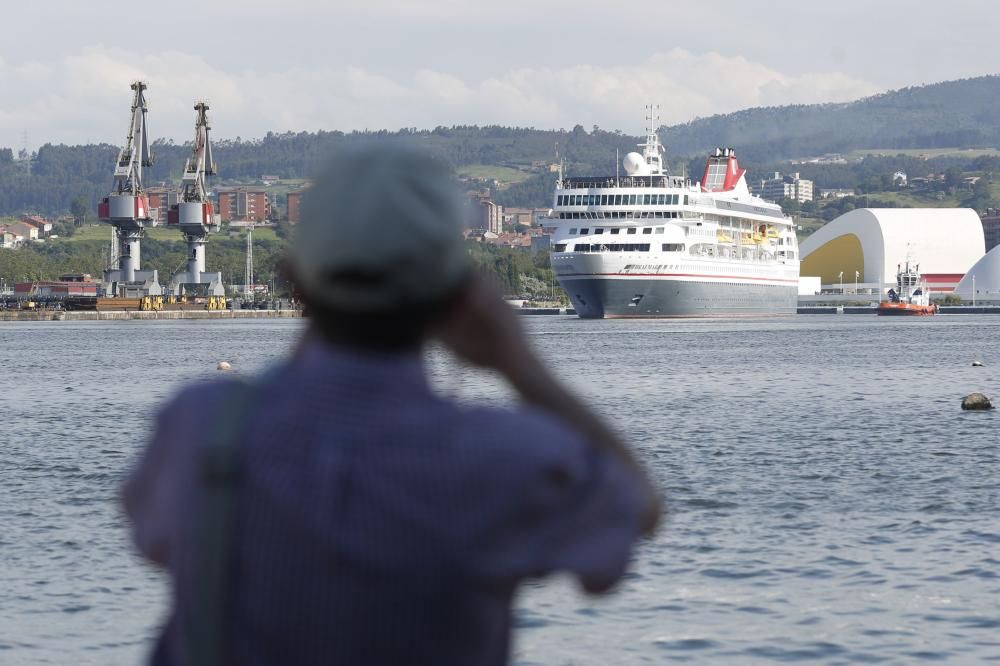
[(248, 271)]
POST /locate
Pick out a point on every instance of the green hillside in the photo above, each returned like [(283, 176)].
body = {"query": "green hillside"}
[(919, 130), (962, 113)]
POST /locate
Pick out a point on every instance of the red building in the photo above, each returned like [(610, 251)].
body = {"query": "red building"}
[(161, 199), (294, 199), (243, 204), (73, 284)]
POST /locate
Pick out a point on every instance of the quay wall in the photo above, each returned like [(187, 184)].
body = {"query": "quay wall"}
[(124, 315)]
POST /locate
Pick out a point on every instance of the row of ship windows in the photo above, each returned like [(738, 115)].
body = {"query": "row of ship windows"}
[(617, 247), (619, 199), (615, 230), (620, 215)]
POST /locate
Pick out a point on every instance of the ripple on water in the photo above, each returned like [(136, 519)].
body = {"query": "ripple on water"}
[(809, 652), (732, 574), (686, 644), (786, 505)]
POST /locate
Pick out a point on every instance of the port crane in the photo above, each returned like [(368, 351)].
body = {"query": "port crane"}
[(194, 214), (126, 208)]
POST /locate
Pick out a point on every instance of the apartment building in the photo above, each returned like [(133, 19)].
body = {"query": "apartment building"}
[(161, 199), (294, 201), (786, 187), (243, 204)]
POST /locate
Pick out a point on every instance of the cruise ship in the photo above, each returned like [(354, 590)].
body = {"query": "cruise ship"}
[(649, 244)]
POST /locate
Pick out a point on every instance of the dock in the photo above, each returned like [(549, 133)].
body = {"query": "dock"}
[(125, 315), (545, 311), (869, 310)]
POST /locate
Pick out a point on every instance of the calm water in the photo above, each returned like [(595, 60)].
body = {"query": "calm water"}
[(830, 502)]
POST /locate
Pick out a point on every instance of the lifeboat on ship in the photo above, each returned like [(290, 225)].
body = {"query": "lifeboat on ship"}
[(910, 297)]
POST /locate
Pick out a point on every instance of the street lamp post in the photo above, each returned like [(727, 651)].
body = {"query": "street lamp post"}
[(857, 274), (841, 276)]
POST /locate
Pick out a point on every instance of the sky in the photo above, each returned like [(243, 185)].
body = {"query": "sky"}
[(294, 65)]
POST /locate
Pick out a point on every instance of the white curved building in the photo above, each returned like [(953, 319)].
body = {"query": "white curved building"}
[(945, 242), (983, 279)]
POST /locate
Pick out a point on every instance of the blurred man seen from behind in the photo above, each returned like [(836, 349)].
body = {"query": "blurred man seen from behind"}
[(336, 510)]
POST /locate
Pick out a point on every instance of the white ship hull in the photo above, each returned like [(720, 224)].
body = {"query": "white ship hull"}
[(649, 244), (618, 287)]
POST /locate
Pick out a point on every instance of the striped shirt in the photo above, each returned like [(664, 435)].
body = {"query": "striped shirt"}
[(376, 522)]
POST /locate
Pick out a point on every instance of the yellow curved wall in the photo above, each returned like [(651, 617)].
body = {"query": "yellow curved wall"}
[(843, 253)]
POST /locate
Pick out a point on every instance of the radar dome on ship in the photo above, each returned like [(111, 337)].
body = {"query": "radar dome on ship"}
[(635, 165)]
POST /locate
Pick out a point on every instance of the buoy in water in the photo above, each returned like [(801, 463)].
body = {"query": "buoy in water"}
[(976, 401), (977, 364), (223, 365)]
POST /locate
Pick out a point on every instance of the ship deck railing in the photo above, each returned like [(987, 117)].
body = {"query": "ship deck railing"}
[(593, 182)]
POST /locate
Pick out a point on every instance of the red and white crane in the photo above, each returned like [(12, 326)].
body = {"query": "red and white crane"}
[(194, 214), (127, 207)]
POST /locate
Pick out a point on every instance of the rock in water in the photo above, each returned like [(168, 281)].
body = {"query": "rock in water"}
[(977, 364), (223, 365), (976, 401)]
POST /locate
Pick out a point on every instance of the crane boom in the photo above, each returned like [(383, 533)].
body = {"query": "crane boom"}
[(194, 214), (135, 154), (126, 208), (200, 164)]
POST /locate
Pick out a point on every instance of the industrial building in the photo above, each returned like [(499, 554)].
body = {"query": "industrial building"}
[(71, 284), (866, 245)]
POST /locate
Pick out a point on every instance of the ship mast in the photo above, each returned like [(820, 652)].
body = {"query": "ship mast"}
[(652, 149)]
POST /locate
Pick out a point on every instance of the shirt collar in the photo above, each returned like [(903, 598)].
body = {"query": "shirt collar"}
[(316, 357)]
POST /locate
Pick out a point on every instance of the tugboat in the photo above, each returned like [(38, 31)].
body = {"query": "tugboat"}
[(910, 297)]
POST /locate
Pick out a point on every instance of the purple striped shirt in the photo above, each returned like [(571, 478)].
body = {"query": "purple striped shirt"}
[(376, 522)]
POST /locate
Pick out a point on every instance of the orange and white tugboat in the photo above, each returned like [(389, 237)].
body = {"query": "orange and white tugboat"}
[(910, 297)]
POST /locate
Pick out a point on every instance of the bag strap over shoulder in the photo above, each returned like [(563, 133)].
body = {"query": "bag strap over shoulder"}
[(219, 481)]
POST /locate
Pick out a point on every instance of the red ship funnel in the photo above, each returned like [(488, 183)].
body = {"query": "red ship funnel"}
[(722, 171)]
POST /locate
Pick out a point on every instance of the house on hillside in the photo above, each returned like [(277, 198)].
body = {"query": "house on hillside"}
[(7, 239), (44, 226), (28, 232)]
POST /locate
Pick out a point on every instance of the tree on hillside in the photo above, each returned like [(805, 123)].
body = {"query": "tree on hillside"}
[(952, 177), (80, 211), (981, 197)]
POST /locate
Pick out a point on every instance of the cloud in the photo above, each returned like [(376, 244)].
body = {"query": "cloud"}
[(86, 96)]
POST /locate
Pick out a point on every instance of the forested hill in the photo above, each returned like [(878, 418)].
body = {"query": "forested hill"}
[(58, 174), (954, 114)]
